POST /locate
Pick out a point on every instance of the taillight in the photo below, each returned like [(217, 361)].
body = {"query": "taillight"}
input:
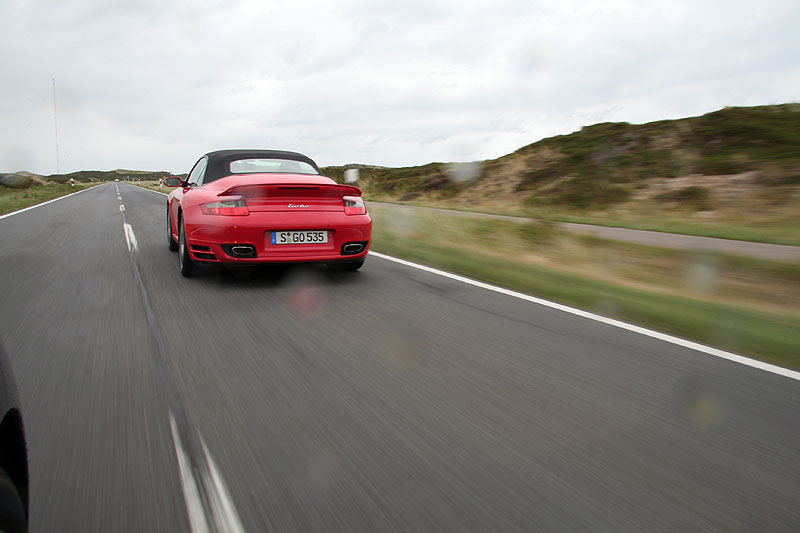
[(231, 207), (354, 205)]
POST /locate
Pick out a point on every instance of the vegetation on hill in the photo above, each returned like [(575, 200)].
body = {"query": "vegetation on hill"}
[(85, 176), (608, 163)]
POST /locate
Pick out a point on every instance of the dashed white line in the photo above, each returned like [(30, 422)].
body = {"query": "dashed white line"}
[(716, 352), (130, 237), (191, 494), (225, 515)]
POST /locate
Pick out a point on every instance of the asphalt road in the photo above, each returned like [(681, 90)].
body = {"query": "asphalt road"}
[(758, 250), (387, 399)]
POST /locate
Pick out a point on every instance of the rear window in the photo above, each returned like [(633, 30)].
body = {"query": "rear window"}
[(280, 166)]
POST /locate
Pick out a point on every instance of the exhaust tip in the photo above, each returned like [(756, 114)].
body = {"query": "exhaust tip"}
[(353, 248), (240, 250)]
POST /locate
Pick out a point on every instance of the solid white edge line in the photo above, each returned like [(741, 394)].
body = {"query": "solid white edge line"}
[(47, 202), (157, 192), (194, 506), (225, 515), (151, 190), (716, 352)]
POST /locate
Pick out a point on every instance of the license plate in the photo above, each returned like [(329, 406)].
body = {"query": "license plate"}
[(299, 237)]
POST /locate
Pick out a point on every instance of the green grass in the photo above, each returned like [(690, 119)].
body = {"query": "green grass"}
[(769, 332), (15, 199)]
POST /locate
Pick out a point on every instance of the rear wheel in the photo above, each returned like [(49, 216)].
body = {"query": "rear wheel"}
[(173, 246), (347, 266), (185, 262)]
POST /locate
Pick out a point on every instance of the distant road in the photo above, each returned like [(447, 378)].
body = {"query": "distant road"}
[(390, 399), (775, 252)]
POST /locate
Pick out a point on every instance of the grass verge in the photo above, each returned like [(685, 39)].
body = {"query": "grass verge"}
[(16, 199)]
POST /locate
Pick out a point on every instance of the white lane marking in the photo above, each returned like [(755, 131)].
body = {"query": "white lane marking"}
[(122, 207), (716, 352), (225, 515), (191, 494), (47, 202), (130, 238)]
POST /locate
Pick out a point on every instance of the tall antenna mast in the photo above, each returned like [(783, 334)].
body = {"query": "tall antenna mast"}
[(55, 121)]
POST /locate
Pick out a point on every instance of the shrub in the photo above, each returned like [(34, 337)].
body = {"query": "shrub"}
[(585, 193), (696, 197), (15, 181)]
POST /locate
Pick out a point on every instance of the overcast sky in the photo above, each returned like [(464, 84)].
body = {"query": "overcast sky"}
[(154, 84)]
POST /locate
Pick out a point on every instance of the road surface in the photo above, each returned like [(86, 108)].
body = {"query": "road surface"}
[(758, 250), (388, 399)]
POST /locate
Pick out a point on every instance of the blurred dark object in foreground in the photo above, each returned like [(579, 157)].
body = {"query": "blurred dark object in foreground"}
[(13, 454)]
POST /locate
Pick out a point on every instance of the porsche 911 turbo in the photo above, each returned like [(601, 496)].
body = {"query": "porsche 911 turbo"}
[(265, 206)]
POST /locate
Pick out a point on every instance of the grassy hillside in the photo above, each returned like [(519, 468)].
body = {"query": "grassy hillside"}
[(735, 166), (605, 163)]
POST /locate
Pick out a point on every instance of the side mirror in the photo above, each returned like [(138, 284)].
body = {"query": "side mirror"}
[(172, 181)]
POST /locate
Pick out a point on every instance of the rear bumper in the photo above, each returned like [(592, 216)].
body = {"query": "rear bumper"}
[(209, 238)]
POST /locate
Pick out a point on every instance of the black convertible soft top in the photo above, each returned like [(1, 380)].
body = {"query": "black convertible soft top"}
[(219, 161)]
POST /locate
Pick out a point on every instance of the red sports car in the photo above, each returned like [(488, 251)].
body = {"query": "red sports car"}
[(256, 206)]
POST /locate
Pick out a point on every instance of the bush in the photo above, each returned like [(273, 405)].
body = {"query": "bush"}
[(696, 197), (411, 195), (711, 167), (15, 181), (586, 193)]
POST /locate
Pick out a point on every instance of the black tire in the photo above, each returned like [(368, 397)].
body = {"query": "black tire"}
[(346, 266), (184, 261), (12, 511), (173, 246)]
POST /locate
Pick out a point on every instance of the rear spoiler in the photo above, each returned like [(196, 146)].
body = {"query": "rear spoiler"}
[(347, 190)]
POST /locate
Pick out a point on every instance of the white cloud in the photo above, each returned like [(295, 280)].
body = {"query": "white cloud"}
[(154, 84)]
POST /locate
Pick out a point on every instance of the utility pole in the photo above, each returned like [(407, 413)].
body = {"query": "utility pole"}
[(55, 121)]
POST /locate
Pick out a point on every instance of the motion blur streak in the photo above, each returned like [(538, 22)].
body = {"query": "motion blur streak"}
[(394, 399)]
